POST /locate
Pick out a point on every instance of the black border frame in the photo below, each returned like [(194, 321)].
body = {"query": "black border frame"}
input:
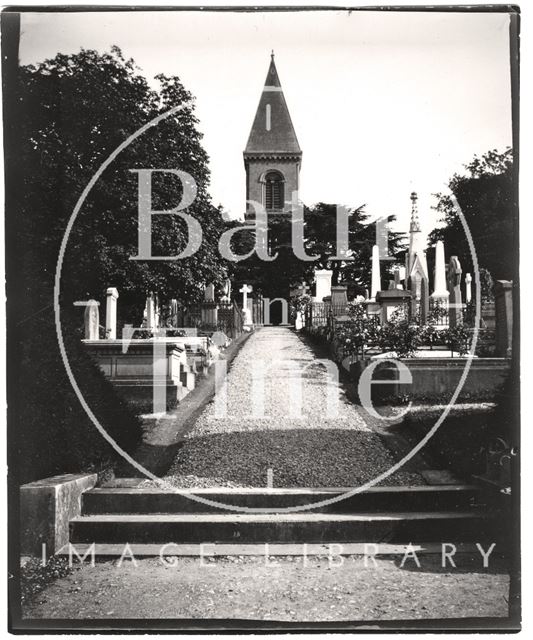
[(10, 33)]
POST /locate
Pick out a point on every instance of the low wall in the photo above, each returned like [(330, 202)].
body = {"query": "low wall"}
[(436, 379), (46, 508)]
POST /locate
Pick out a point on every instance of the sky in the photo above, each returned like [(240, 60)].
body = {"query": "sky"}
[(383, 103)]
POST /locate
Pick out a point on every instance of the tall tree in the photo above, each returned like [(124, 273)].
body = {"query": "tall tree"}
[(76, 110), (485, 194), (321, 231), (276, 278), (73, 112)]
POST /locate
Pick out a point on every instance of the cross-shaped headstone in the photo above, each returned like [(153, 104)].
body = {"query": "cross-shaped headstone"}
[(245, 290)]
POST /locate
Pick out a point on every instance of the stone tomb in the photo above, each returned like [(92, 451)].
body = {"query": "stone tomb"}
[(130, 365), (391, 301)]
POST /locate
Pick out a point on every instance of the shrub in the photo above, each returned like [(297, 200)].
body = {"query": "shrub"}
[(50, 430), (360, 332), (457, 339), (300, 303)]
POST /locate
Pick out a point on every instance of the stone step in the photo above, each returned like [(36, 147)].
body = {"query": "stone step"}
[(394, 527), (135, 500), (381, 550)]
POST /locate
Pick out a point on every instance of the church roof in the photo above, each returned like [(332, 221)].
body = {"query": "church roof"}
[(272, 130)]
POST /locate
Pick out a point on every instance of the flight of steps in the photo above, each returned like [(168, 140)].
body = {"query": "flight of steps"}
[(150, 517)]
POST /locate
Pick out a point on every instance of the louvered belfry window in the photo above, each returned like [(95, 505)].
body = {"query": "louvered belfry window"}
[(274, 193)]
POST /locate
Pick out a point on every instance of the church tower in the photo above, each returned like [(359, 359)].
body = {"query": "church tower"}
[(272, 157)]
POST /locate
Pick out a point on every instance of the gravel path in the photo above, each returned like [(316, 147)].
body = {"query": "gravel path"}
[(283, 590), (305, 450)]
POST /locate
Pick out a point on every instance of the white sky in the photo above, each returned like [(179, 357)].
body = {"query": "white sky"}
[(383, 103)]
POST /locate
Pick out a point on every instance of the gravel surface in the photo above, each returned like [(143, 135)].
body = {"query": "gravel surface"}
[(247, 588), (308, 449)]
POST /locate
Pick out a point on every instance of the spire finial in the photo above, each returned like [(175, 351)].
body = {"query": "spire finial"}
[(272, 54), (415, 222)]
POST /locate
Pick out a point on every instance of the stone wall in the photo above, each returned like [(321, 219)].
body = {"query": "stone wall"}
[(435, 379), (46, 508)]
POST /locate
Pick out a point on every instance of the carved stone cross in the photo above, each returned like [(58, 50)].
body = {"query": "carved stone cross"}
[(245, 290)]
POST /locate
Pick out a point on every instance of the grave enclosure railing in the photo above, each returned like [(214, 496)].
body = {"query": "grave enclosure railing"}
[(440, 313), (320, 314), (317, 314), (211, 316), (333, 320), (230, 319)]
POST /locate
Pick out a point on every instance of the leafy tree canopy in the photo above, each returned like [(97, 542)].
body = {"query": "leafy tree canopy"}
[(485, 193), (75, 110), (275, 278)]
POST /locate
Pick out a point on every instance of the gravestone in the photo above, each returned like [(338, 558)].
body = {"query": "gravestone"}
[(468, 286), (176, 312), (92, 320), (339, 300), (111, 314), (503, 294), (376, 273), (245, 290), (209, 308), (488, 316), (440, 290), (209, 293), (226, 291), (397, 280), (440, 297), (151, 312), (453, 278), (323, 284)]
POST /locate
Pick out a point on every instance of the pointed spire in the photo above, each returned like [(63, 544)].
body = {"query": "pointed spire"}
[(272, 82), (415, 221), (272, 130)]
